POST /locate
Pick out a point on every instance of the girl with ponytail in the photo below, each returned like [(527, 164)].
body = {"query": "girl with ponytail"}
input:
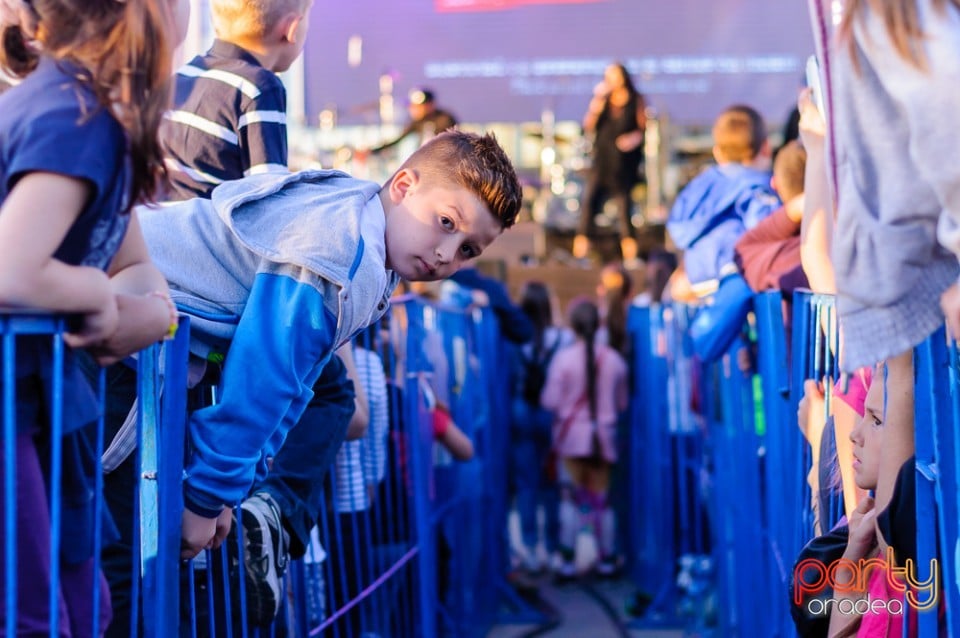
[(78, 148), (586, 389)]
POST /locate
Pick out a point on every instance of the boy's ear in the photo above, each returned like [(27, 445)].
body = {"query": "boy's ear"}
[(289, 26), (402, 182), (717, 155)]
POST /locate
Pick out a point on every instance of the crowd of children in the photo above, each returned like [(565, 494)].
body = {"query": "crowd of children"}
[(281, 296)]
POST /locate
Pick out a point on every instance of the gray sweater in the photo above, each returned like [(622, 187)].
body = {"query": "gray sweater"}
[(897, 135)]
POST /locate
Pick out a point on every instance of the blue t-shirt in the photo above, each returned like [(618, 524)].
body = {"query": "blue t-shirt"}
[(52, 122)]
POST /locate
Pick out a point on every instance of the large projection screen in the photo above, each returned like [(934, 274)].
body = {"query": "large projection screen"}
[(509, 60)]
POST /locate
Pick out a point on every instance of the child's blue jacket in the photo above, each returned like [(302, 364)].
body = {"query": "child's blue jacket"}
[(712, 212), (276, 271)]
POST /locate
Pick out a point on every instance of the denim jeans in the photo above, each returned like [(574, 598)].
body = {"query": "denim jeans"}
[(528, 452), (296, 478)]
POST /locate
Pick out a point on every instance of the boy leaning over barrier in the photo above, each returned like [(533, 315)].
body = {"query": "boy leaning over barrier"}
[(281, 269)]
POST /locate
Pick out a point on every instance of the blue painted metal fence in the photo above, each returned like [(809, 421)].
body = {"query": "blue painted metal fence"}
[(756, 490), (161, 468), (423, 554)]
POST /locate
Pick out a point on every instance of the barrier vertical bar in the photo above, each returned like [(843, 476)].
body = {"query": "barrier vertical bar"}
[(56, 477), (925, 511), (421, 441), (98, 502), (936, 471), (10, 474), (802, 363), (149, 382), (652, 495), (172, 432), (782, 448)]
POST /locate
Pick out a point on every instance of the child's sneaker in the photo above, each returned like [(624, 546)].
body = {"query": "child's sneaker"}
[(265, 556)]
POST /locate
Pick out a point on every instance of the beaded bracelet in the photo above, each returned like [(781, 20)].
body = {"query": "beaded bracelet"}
[(174, 317)]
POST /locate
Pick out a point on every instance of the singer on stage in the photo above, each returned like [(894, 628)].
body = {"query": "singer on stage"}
[(616, 118)]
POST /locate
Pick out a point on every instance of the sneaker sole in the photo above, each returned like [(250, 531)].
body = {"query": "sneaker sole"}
[(262, 580)]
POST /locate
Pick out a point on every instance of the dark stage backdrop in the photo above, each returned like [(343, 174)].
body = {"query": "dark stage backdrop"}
[(508, 60)]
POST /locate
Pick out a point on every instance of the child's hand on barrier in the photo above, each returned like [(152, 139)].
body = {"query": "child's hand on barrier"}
[(812, 127), (811, 405), (224, 523), (950, 304), (97, 327), (197, 533), (144, 320)]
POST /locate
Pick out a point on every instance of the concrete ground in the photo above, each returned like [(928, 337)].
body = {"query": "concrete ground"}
[(583, 609), (588, 607)]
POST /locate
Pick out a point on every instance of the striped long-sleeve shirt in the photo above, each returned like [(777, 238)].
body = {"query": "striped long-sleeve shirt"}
[(363, 462), (228, 121)]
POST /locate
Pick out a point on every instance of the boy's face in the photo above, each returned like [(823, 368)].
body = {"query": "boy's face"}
[(433, 230)]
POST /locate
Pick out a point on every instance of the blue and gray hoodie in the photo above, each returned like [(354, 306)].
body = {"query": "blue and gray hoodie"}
[(711, 213), (276, 271)]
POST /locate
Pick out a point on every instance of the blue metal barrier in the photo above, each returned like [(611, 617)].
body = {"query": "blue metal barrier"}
[(160, 539), (160, 438), (759, 495), (786, 488), (937, 431), (666, 525), (651, 552), (459, 352), (13, 326), (392, 561)]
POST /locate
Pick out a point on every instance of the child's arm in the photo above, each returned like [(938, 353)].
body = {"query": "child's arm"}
[(34, 220), (263, 133), (361, 413), (143, 301), (446, 432), (753, 255), (554, 388), (816, 229), (284, 338), (595, 108), (622, 390)]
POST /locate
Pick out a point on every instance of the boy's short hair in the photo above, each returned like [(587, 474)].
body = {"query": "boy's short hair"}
[(788, 170), (475, 162), (739, 134), (252, 18)]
